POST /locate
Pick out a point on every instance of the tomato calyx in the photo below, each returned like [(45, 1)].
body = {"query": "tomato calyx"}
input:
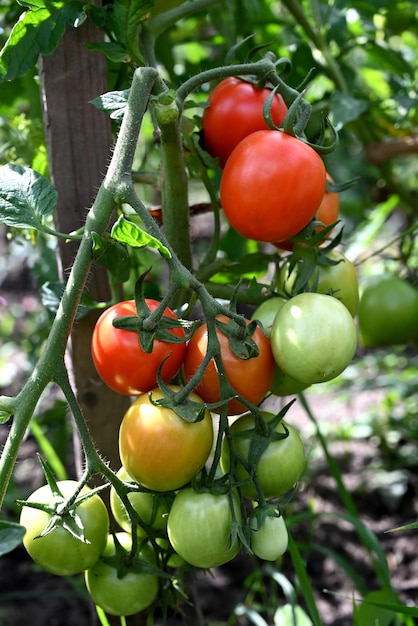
[(129, 561), (240, 337), (186, 408), (262, 511)]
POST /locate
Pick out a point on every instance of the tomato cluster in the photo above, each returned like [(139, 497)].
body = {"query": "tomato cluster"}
[(273, 184), (204, 468)]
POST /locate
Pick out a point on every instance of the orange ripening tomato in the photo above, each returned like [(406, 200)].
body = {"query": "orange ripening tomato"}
[(327, 213), (272, 186), (235, 111), (158, 448), (251, 378), (119, 359)]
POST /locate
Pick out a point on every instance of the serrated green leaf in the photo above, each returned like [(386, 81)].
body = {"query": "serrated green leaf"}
[(112, 50), (125, 20), (114, 103), (11, 535), (37, 32), (27, 198), (127, 232)]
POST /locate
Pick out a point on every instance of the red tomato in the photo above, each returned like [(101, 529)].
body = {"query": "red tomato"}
[(327, 213), (236, 111), (158, 448), (272, 186), (251, 378), (119, 359)]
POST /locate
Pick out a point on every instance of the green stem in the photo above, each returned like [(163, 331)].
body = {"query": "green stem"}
[(160, 23), (51, 359)]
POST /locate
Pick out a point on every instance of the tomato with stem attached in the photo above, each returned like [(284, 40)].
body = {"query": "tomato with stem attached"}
[(59, 551), (121, 362), (272, 186), (250, 377), (159, 449), (281, 463), (235, 111), (125, 594), (199, 527)]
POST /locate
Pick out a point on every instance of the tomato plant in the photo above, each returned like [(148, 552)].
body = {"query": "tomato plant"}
[(388, 312), (235, 111), (199, 527), (124, 593), (250, 378), (158, 448), (272, 186), (280, 465), (151, 508), (269, 537), (121, 362), (59, 551), (313, 337), (338, 279)]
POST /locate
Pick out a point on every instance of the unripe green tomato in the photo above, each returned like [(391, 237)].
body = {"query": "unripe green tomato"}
[(151, 508), (280, 466), (338, 280), (127, 595), (313, 338), (269, 542), (282, 384), (388, 312)]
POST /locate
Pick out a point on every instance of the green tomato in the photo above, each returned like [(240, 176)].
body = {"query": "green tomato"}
[(280, 465), (388, 312), (267, 311), (59, 552), (313, 338), (338, 280), (199, 527), (282, 384), (151, 508), (269, 541), (126, 595)]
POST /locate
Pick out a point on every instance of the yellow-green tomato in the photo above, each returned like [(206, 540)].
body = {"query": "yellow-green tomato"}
[(199, 527), (280, 465), (313, 338), (269, 541), (338, 280), (59, 552), (151, 508), (126, 595)]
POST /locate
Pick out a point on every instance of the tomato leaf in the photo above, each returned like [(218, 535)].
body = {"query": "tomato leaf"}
[(11, 535), (51, 294), (127, 232), (37, 32), (114, 103), (113, 256), (27, 199)]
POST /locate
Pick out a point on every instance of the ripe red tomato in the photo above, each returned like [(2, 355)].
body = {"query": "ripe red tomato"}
[(272, 186), (327, 213), (119, 359), (199, 527), (59, 552), (250, 378), (235, 111), (158, 448), (124, 595), (280, 465)]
